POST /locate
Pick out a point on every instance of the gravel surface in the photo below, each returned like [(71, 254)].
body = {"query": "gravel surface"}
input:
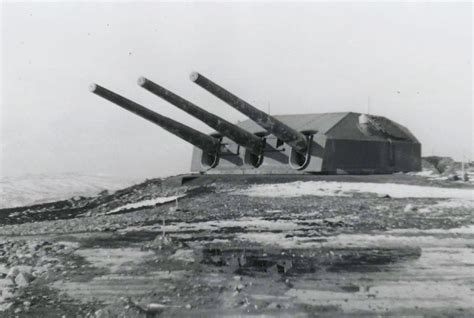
[(220, 251)]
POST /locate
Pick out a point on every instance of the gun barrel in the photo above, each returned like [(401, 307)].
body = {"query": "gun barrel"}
[(242, 137), (282, 131), (207, 143)]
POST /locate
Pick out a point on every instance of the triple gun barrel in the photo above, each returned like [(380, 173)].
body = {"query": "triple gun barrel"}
[(209, 144)]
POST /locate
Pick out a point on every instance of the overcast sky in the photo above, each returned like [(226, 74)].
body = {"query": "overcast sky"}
[(414, 60)]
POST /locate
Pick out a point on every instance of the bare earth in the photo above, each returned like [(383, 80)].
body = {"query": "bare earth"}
[(230, 252)]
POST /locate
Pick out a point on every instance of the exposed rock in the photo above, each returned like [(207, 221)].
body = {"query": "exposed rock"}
[(443, 165), (161, 241), (274, 306), (410, 208), (183, 255), (429, 165), (103, 193), (239, 287), (23, 279), (155, 308), (453, 177), (15, 271), (123, 307)]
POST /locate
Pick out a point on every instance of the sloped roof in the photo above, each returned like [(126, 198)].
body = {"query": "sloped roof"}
[(341, 125), (321, 122), (381, 128)]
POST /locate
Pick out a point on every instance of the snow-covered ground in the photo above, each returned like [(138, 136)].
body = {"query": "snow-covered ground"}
[(32, 189), (429, 174), (332, 188), (144, 203)]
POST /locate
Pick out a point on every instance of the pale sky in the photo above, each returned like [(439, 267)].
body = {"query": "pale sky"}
[(414, 60)]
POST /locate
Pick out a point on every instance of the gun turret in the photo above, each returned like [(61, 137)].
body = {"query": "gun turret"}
[(240, 136), (295, 139), (208, 144)]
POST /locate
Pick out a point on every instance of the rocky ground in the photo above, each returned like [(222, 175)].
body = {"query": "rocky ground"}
[(383, 245)]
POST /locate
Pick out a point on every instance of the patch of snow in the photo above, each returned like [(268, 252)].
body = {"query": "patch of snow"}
[(424, 173), (35, 189), (3, 269), (333, 188), (392, 240), (145, 203), (184, 255), (278, 239), (460, 230), (454, 204), (6, 286), (273, 211), (431, 175), (113, 259), (107, 288), (218, 241), (6, 293), (247, 223), (395, 240), (390, 296), (68, 244), (425, 210)]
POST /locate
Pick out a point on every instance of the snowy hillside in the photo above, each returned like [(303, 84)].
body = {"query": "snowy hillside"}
[(32, 189)]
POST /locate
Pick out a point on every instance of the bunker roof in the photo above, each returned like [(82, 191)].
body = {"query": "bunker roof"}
[(339, 125)]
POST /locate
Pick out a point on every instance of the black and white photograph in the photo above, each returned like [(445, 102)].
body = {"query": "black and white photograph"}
[(236, 159)]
